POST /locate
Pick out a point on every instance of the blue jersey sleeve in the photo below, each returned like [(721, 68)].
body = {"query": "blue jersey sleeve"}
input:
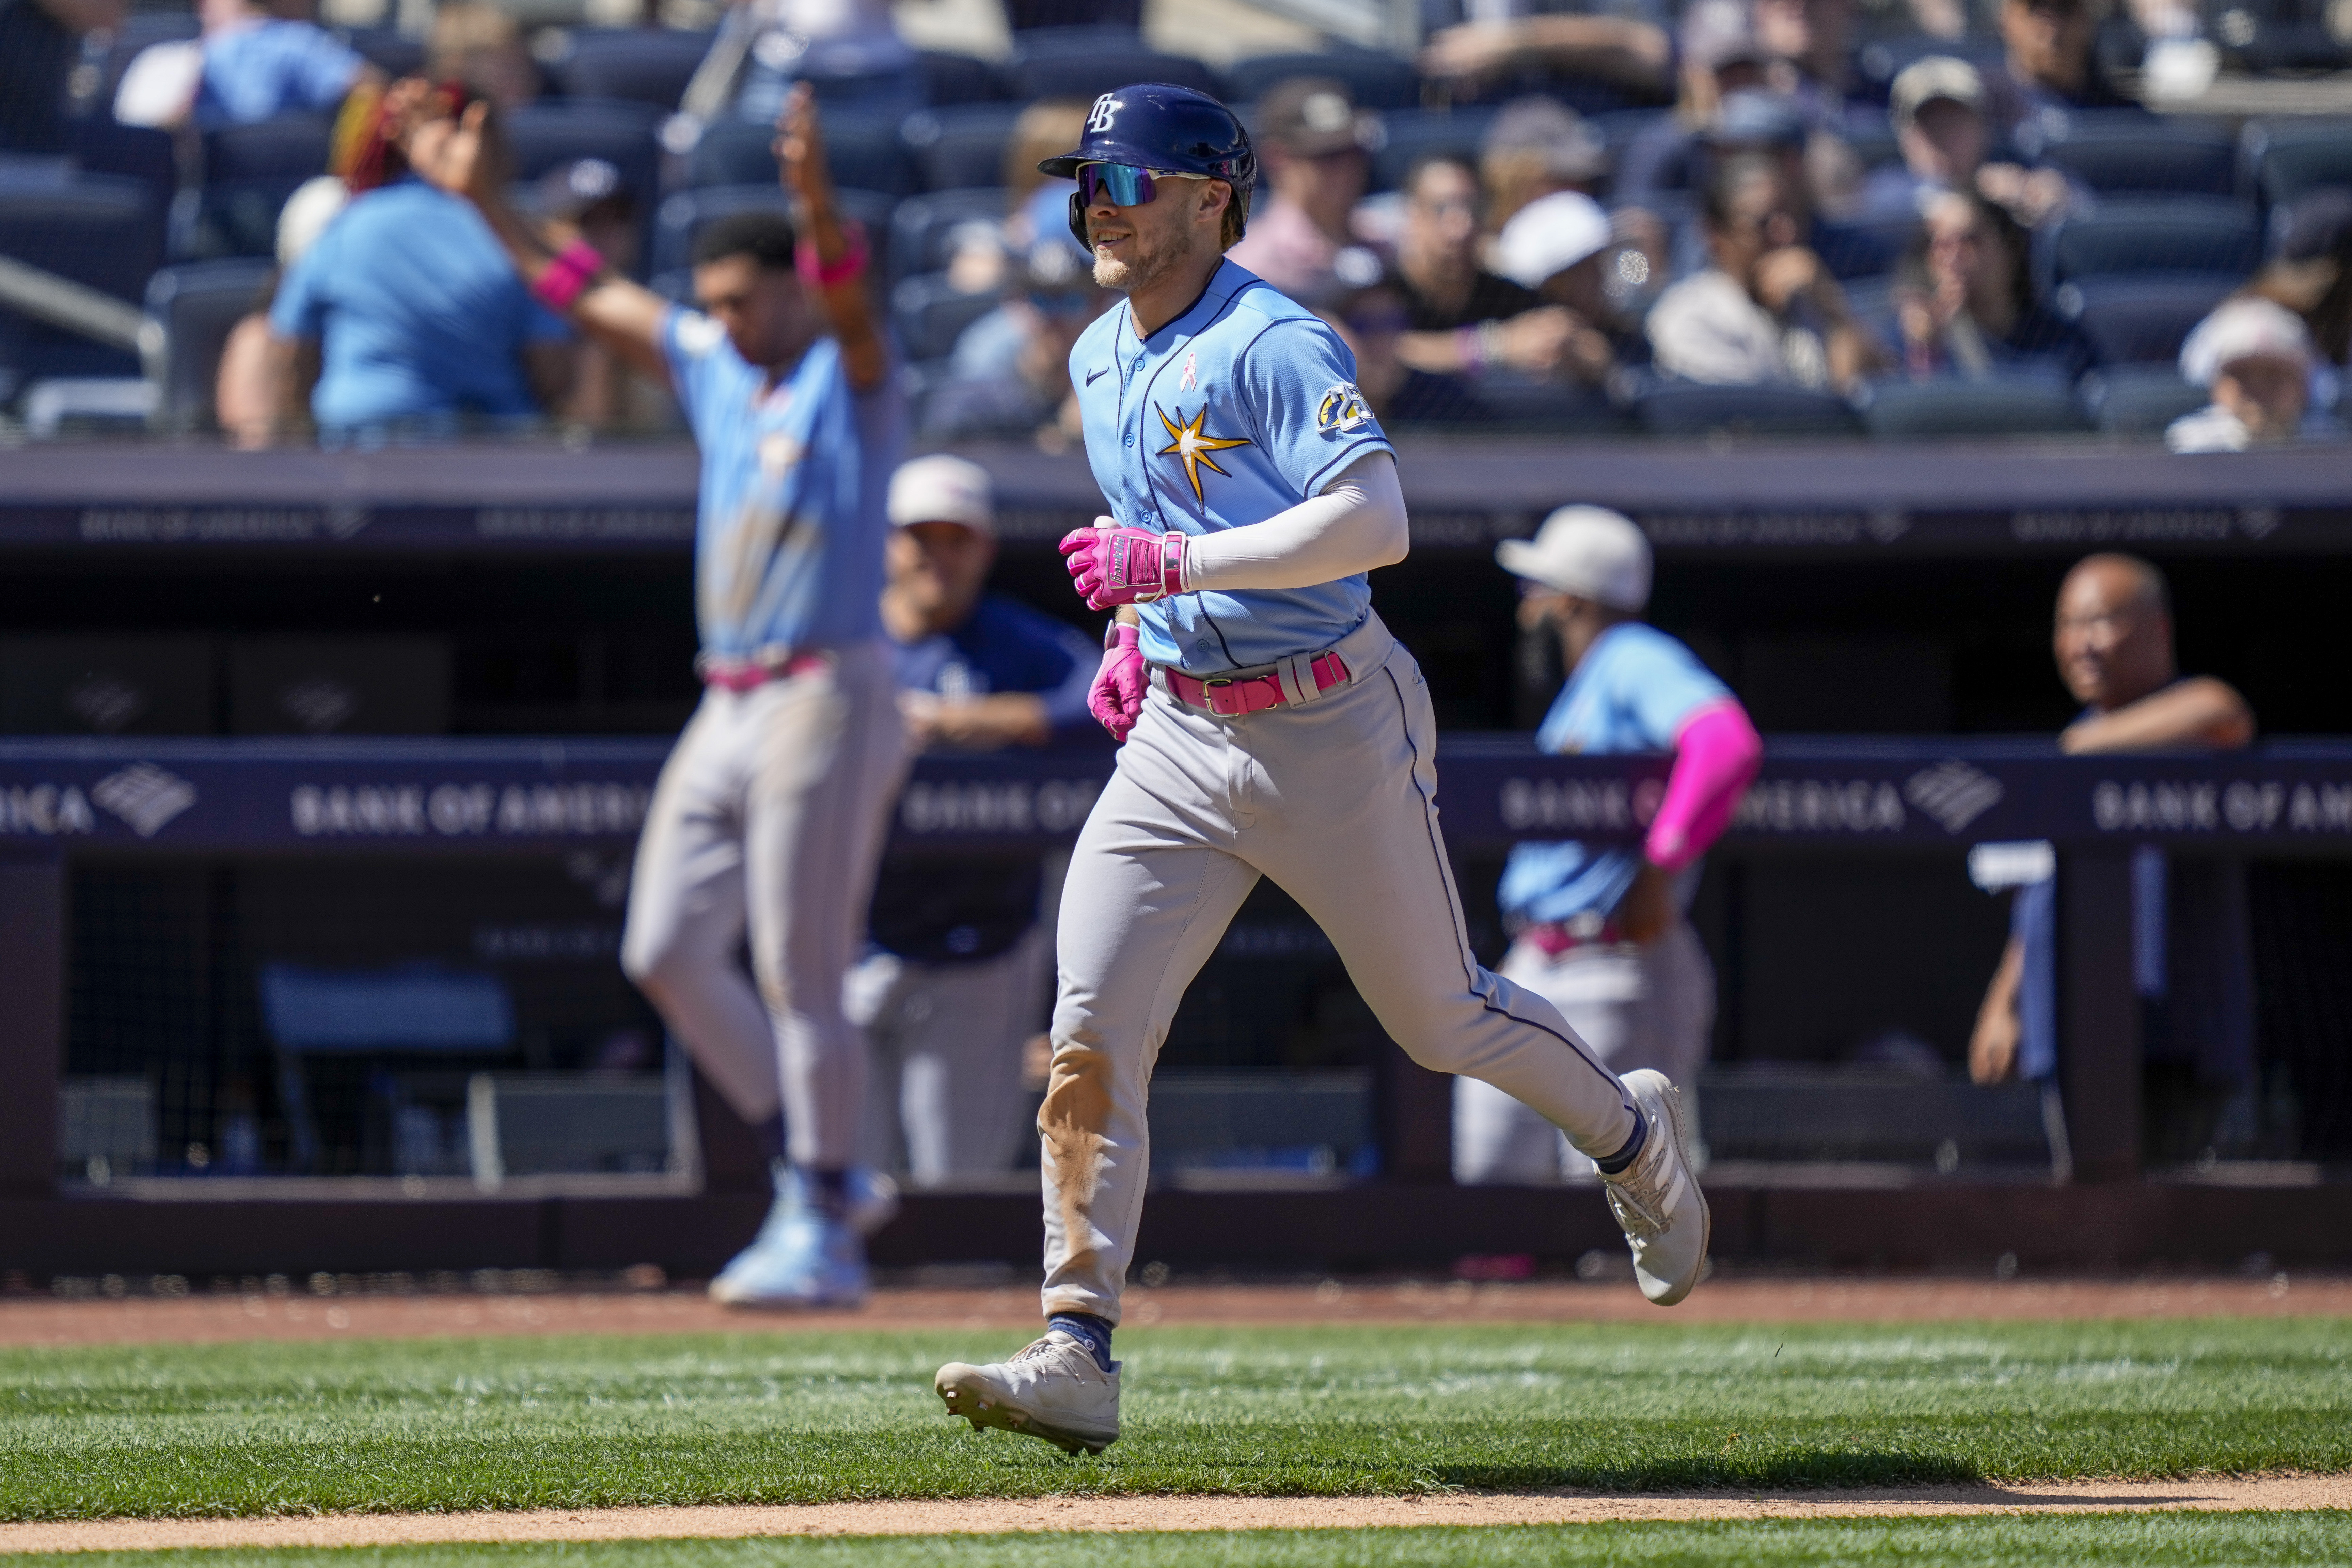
[(300, 310), (696, 349), (1312, 421), (323, 68), (1659, 683)]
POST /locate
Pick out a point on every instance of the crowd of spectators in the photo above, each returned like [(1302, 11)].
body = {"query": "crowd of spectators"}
[(1539, 223)]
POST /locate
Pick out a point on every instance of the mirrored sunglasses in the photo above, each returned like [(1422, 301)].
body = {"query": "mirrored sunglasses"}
[(1121, 184)]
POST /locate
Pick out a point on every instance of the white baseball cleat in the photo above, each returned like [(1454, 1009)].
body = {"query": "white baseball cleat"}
[(1656, 1198), (1052, 1390)]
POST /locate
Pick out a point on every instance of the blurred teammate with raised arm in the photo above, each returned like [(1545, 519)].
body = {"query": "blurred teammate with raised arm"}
[(770, 813)]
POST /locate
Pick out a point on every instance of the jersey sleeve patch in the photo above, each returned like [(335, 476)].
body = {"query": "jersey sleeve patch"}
[(1341, 410)]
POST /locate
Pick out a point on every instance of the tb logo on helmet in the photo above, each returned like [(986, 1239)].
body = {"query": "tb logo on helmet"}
[(1099, 119)]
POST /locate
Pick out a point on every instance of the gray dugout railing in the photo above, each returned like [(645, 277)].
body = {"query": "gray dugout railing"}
[(64, 803)]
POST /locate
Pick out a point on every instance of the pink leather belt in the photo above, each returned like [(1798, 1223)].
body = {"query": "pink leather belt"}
[(1229, 699), (750, 673), (1553, 938)]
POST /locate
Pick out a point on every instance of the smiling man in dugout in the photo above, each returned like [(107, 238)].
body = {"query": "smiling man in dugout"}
[(2193, 963)]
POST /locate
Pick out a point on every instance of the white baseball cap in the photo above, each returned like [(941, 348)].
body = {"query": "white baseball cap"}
[(1587, 551), (941, 488), (2243, 328), (1550, 234)]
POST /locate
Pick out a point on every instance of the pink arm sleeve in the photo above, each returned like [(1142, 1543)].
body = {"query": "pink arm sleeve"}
[(1716, 759)]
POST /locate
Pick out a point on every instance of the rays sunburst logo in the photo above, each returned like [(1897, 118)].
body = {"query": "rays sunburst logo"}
[(1188, 446)]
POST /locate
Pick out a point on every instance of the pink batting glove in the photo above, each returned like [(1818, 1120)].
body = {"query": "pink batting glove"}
[(1116, 695), (1112, 565)]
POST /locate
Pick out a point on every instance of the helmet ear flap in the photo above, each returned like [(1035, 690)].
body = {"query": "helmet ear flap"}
[(1078, 223)]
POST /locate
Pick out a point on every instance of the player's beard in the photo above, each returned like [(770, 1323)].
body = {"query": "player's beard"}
[(1149, 266)]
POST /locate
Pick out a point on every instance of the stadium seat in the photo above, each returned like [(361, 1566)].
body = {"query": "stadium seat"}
[(1681, 408), (923, 227), (2290, 157), (2169, 234), (194, 306), (1413, 134), (1042, 67), (388, 49), (863, 152), (2139, 400), (960, 148), (930, 316), (95, 230), (681, 217), (2130, 153), (1378, 81), (248, 172), (1882, 59), (2133, 320), (2014, 405), (1866, 248), (951, 80), (1502, 401), (636, 64)]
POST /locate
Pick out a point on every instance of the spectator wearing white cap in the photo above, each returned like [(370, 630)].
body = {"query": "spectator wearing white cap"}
[(1599, 930), (1556, 246), (2256, 355), (955, 980), (1767, 312)]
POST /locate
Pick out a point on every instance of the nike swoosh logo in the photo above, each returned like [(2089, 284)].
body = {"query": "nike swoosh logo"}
[(1093, 376)]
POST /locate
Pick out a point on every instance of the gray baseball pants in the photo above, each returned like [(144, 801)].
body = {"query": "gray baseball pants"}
[(1336, 800), (1650, 1005), (767, 819)]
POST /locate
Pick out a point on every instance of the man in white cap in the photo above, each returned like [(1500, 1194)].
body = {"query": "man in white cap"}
[(2257, 357), (1554, 247), (1600, 929), (954, 982)]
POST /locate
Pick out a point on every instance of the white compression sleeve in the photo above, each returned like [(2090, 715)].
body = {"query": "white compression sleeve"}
[(1357, 524)]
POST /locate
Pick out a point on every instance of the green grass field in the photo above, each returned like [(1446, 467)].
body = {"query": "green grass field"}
[(488, 1423), (2089, 1541)]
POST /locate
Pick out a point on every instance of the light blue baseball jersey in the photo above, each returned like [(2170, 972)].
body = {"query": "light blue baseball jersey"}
[(1632, 691), (795, 482), (1240, 408)]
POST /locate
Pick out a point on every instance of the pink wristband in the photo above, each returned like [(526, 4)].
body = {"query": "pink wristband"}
[(817, 275), (568, 275)]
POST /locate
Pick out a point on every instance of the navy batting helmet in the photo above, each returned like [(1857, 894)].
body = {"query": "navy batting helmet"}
[(1170, 129)]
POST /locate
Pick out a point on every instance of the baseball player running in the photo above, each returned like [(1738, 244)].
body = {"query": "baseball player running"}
[(1273, 726), (770, 813), (1600, 929)]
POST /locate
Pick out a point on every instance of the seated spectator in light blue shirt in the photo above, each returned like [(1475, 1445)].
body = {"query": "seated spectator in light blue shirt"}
[(258, 66), (253, 62), (421, 325)]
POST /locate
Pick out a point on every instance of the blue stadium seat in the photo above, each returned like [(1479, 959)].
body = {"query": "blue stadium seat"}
[(863, 152), (95, 230), (1882, 59), (2132, 320), (923, 227), (2015, 405), (681, 217), (1054, 66), (950, 80), (248, 172), (636, 64), (132, 152), (960, 148), (2169, 234), (2131, 154), (1867, 248), (196, 305), (2139, 400), (388, 49), (930, 316), (1378, 81), (2289, 157), (1682, 408), (1413, 134)]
